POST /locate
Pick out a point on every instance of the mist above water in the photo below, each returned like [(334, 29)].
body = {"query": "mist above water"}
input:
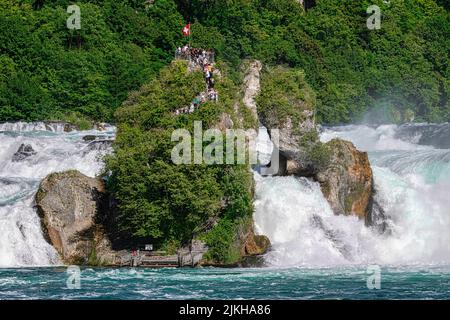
[(412, 182)]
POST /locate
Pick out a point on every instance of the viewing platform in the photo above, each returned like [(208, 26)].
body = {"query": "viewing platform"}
[(196, 56), (186, 257)]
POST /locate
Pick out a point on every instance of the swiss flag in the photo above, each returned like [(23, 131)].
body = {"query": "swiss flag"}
[(187, 30)]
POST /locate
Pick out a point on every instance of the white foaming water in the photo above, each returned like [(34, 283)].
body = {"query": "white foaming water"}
[(412, 188), (367, 138), (21, 239), (31, 126), (264, 146)]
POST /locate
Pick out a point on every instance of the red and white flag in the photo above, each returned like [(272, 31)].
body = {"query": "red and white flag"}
[(187, 30)]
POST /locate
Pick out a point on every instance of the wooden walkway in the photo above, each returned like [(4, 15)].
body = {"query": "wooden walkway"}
[(146, 259)]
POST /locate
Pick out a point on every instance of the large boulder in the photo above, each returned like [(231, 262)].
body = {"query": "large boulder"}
[(344, 173), (249, 246), (255, 245), (252, 247), (24, 151), (72, 208), (347, 181)]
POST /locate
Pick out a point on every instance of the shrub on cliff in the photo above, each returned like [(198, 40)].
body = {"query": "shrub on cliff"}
[(284, 94), (167, 204)]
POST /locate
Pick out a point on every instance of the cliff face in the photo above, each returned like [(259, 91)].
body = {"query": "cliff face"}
[(71, 206), (250, 243), (252, 83)]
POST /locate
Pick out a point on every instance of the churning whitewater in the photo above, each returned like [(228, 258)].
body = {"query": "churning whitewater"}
[(411, 165), (21, 239)]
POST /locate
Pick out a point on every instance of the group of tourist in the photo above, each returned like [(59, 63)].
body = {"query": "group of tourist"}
[(183, 52), (199, 99), (203, 59), (200, 57)]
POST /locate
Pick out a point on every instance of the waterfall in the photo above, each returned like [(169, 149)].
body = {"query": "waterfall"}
[(412, 182), (33, 126), (21, 239), (411, 167)]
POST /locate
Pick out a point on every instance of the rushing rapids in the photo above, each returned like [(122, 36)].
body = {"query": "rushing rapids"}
[(411, 165)]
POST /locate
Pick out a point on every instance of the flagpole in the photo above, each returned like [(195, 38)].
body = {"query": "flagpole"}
[(189, 22), (190, 39)]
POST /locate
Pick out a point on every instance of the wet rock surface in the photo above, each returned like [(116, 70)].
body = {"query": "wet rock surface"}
[(24, 151), (347, 181)]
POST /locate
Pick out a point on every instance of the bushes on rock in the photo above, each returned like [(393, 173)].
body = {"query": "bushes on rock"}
[(163, 203)]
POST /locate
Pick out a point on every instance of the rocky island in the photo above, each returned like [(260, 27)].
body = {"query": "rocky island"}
[(83, 218)]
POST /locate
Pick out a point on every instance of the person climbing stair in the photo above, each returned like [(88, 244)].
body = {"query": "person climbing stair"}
[(199, 59)]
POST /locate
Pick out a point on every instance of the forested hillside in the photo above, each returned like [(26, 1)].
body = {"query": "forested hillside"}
[(50, 72), (403, 66), (399, 72)]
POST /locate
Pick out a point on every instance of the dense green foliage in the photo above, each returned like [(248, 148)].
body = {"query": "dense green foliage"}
[(50, 72), (398, 72), (400, 69), (284, 94), (165, 203)]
